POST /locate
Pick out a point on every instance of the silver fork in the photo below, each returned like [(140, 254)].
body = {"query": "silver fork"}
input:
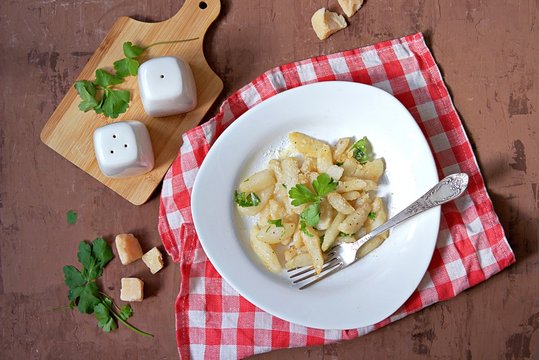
[(343, 255)]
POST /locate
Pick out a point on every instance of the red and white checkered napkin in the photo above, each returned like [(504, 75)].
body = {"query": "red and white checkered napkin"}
[(214, 321)]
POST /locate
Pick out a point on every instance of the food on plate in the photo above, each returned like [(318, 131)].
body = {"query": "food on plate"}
[(128, 248), (350, 7), (132, 289), (325, 23), (313, 197), (153, 260)]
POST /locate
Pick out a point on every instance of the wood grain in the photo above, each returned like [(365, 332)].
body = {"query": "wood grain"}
[(488, 52), (69, 131)]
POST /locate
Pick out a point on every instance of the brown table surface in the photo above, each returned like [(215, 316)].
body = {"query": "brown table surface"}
[(488, 52)]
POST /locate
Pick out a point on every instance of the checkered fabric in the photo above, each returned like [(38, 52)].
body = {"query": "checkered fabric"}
[(213, 321)]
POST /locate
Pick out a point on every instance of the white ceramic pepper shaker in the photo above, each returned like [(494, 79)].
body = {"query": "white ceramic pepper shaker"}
[(166, 86)]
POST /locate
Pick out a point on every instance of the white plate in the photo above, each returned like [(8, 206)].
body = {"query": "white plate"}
[(367, 291)]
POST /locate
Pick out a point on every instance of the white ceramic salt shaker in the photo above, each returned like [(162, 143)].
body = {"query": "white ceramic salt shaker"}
[(166, 86), (123, 149)]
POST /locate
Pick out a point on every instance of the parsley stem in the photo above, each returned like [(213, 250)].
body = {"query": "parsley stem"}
[(168, 42), (138, 331), (119, 318)]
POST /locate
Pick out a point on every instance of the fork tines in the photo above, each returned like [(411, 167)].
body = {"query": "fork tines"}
[(330, 266)]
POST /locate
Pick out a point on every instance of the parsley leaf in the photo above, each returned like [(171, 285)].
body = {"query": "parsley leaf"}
[(372, 215), (71, 217), (115, 102), (85, 254), (99, 107), (277, 223), (104, 78), (104, 319), (102, 251), (126, 67), (73, 277), (311, 214), (87, 92), (342, 234), (361, 150), (300, 194), (324, 184), (246, 199), (132, 51), (93, 270), (89, 298), (126, 312)]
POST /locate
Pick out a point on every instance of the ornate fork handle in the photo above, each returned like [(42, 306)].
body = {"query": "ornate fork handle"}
[(450, 188)]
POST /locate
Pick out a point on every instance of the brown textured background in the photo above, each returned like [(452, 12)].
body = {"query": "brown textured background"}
[(489, 54)]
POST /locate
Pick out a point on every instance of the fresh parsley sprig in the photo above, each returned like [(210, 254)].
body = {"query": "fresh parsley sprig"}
[(84, 291), (301, 194), (100, 95), (322, 185)]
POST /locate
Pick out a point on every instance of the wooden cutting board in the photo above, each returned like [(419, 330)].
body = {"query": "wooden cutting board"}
[(69, 131)]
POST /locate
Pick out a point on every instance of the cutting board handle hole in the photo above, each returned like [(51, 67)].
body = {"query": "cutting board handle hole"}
[(202, 5)]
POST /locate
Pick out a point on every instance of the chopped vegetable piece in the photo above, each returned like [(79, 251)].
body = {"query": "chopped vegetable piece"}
[(246, 199), (361, 150), (277, 223)]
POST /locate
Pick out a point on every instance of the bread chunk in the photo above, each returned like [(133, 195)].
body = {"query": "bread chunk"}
[(153, 259), (128, 248), (350, 7), (326, 23), (132, 289)]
